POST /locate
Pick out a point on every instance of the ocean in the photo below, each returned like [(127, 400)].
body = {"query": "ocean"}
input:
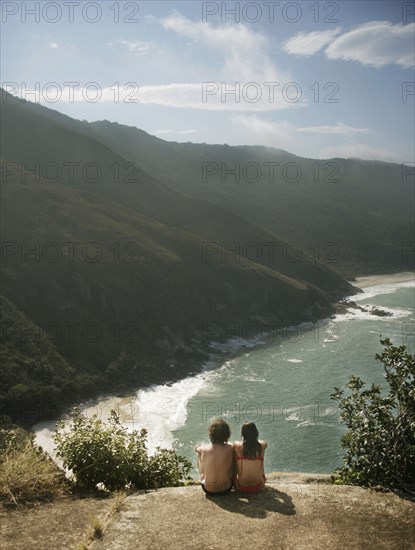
[(281, 381)]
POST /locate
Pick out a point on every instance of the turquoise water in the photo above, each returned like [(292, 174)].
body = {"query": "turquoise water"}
[(283, 385)]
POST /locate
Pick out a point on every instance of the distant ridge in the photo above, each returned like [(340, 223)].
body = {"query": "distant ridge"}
[(152, 292)]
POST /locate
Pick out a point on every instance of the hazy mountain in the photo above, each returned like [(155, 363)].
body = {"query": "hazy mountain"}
[(50, 140), (130, 278), (355, 215)]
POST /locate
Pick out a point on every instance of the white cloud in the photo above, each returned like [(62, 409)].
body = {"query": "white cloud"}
[(376, 44), (247, 79), (245, 68), (309, 43), (214, 97), (254, 130), (53, 45), (360, 150), (283, 128), (338, 129), (178, 132), (205, 96), (245, 52), (137, 46)]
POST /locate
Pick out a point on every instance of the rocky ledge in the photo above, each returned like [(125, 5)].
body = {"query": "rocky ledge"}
[(295, 511), (349, 306)]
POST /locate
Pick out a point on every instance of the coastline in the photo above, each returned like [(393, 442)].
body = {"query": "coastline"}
[(126, 403), (376, 280)]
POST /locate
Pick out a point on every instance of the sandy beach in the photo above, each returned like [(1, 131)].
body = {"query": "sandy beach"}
[(374, 280)]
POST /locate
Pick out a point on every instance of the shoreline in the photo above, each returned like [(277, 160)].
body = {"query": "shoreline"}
[(125, 402), (377, 280)]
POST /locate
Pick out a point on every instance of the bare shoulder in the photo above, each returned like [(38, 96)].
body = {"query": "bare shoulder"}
[(200, 447), (237, 445), (263, 444)]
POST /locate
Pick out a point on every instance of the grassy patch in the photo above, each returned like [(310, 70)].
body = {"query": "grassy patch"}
[(119, 501), (27, 474), (97, 528)]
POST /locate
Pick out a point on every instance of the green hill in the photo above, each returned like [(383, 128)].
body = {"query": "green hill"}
[(36, 380), (354, 215), (130, 271), (130, 280)]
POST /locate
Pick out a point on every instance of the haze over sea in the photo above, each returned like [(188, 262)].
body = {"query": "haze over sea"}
[(282, 382)]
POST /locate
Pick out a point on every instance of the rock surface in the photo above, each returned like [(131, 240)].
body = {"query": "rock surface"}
[(291, 513), (294, 512)]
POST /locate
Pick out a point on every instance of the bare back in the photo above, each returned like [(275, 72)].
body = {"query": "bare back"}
[(215, 462), (249, 471)]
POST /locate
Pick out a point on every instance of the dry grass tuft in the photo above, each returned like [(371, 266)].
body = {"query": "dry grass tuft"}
[(119, 501), (97, 528), (27, 476)]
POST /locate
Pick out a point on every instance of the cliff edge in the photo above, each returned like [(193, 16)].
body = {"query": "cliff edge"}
[(295, 511)]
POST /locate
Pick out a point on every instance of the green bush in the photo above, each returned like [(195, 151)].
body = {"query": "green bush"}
[(27, 474), (380, 440), (167, 469), (107, 453)]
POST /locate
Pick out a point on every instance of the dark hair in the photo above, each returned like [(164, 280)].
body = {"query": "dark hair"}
[(251, 448), (219, 431)]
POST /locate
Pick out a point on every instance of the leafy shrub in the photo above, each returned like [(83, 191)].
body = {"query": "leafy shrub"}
[(108, 453), (27, 474), (167, 469), (380, 440)]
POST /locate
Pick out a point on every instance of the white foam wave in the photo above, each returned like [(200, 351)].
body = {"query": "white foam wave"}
[(376, 290), (272, 335), (251, 379), (313, 423), (160, 409), (163, 409), (395, 313), (44, 432), (237, 343)]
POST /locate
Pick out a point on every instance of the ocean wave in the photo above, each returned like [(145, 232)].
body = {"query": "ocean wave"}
[(313, 423), (238, 343), (163, 409), (159, 409), (394, 313), (377, 290), (251, 379)]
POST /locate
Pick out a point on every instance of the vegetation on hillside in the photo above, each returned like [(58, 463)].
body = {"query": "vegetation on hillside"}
[(27, 474), (355, 216), (101, 455), (128, 304), (107, 453), (36, 381), (380, 437), (137, 315)]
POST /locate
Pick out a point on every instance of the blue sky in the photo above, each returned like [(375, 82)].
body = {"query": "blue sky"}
[(319, 79)]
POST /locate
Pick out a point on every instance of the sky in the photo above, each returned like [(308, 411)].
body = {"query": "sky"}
[(317, 79)]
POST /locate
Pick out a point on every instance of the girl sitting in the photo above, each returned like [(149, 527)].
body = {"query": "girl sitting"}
[(249, 460)]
